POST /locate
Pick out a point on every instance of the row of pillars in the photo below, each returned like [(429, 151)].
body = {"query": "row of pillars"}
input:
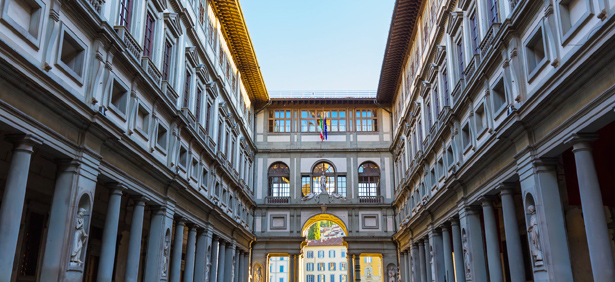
[(431, 258), (208, 257)]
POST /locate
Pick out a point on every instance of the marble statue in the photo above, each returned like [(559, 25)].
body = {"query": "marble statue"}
[(323, 183), (392, 274), (165, 256), (257, 274), (79, 238), (466, 256), (308, 197), (433, 266), (534, 233)]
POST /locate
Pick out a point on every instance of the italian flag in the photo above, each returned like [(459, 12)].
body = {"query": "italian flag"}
[(322, 126)]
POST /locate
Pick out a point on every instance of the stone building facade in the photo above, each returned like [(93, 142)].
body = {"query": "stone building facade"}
[(127, 140), (502, 112), (138, 143)]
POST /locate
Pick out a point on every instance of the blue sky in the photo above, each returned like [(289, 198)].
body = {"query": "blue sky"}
[(319, 44)]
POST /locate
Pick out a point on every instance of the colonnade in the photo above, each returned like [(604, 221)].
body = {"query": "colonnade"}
[(209, 257), (475, 252)]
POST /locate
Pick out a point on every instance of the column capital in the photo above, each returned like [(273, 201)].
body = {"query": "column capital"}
[(581, 140), (506, 188), (545, 164), (140, 200), (486, 201), (24, 142), (116, 188), (68, 164), (454, 221)]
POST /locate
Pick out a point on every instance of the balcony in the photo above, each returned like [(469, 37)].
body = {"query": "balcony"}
[(371, 199), (277, 200), (132, 46)]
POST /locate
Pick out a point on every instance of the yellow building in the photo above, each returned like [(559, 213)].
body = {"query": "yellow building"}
[(371, 268), (324, 261)]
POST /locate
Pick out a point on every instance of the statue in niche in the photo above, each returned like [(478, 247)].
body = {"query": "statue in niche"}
[(323, 183), (257, 274), (433, 266), (79, 238), (466, 256), (165, 255), (534, 234), (207, 267), (392, 274)]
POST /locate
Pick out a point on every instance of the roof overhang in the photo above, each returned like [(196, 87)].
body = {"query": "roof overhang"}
[(403, 22), (238, 38)]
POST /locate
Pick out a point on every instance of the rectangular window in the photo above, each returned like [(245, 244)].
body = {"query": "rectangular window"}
[(332, 253), (281, 268), (341, 185), (332, 266), (336, 121), (332, 278), (343, 254), (342, 266), (220, 124), (436, 101), (279, 121), (168, 47), (187, 89), (366, 120), (428, 113), (305, 186), (460, 62), (474, 29), (321, 265), (197, 107), (207, 114), (368, 259), (499, 95), (445, 85), (227, 140), (310, 278), (149, 35), (201, 13), (162, 137), (309, 266), (343, 278), (321, 254), (125, 13), (494, 13)]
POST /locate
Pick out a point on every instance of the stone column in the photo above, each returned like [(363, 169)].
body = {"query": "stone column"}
[(109, 238), (59, 218), (428, 260), (474, 244), (199, 261), (539, 186), (492, 241), (596, 229), (402, 264), (447, 251), (240, 268), (190, 253), (176, 252), (291, 269), (237, 265), (357, 268), (134, 242), (438, 256), (13, 202), (221, 261), (208, 246), (350, 267), (213, 273), (458, 249), (246, 267), (155, 245), (408, 265), (422, 262), (415, 271), (513, 240), (228, 264)]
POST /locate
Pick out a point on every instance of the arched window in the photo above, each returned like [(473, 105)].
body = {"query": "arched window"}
[(279, 184), (335, 182), (369, 180)]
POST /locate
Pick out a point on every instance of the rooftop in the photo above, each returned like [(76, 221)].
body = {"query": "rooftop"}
[(333, 94), (398, 43), (339, 241), (239, 41)]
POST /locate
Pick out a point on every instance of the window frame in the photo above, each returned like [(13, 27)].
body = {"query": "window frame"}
[(279, 171), (372, 177), (359, 121), (273, 120)]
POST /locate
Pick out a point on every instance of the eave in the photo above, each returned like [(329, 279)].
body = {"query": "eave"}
[(403, 23), (240, 44)]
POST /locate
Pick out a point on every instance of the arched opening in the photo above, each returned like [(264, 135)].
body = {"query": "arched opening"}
[(324, 251), (324, 173)]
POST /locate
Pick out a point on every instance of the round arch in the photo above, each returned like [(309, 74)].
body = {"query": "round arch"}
[(323, 216), (323, 161)]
